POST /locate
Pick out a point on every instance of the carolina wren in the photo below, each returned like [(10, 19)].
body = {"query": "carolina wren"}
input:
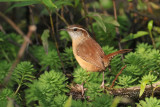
[(88, 52)]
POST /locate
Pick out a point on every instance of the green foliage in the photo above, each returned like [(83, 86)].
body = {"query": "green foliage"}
[(126, 81), (103, 101), (150, 78), (4, 95), (4, 67), (47, 90), (68, 58), (149, 102), (79, 103), (139, 63), (44, 38), (93, 90), (80, 75), (68, 102), (50, 88), (150, 25), (142, 60), (61, 100), (7, 49), (99, 20), (64, 36), (23, 73), (50, 60), (145, 80), (102, 37), (132, 36)]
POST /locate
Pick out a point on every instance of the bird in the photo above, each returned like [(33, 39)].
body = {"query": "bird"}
[(88, 52)]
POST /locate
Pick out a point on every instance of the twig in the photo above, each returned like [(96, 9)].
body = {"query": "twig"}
[(133, 92), (62, 18), (117, 29), (33, 23), (53, 35), (20, 54), (12, 24), (153, 42), (117, 76), (1, 29)]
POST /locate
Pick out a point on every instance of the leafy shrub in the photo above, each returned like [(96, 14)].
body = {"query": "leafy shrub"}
[(4, 67), (3, 96), (103, 101), (149, 102), (79, 103), (68, 58), (23, 73), (47, 89)]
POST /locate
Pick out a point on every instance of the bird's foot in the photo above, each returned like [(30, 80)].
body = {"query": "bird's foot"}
[(102, 85), (82, 89)]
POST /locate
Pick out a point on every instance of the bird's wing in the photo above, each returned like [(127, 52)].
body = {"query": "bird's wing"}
[(90, 51)]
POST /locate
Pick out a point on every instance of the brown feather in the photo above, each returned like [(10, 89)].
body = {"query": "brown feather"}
[(90, 51), (108, 58)]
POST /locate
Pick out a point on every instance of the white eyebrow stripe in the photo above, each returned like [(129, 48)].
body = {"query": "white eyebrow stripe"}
[(77, 28)]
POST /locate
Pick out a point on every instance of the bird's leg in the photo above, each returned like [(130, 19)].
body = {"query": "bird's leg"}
[(82, 88), (102, 85)]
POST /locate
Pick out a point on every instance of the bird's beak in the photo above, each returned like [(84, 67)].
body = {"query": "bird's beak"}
[(63, 29)]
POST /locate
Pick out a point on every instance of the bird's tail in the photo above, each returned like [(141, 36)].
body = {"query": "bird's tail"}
[(109, 57)]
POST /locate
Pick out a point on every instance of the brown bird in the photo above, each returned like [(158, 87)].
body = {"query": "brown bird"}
[(88, 52)]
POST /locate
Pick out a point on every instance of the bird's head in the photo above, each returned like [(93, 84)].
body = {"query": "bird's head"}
[(76, 31)]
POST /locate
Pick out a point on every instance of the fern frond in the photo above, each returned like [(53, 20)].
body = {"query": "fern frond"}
[(149, 102), (46, 88), (3, 96), (68, 58), (4, 67), (23, 73), (103, 101)]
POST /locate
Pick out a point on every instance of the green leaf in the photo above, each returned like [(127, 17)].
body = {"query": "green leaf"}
[(150, 25), (143, 85), (68, 102), (134, 36), (149, 102), (156, 28), (44, 38), (116, 101), (76, 2), (60, 3), (99, 20), (49, 4), (22, 4), (110, 20)]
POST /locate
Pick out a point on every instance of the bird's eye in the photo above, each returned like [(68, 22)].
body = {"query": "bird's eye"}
[(75, 29)]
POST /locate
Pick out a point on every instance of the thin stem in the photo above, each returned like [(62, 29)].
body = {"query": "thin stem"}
[(12, 24), (62, 18), (53, 35), (17, 89), (117, 29), (153, 42), (5, 55), (117, 76), (20, 55), (33, 23)]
